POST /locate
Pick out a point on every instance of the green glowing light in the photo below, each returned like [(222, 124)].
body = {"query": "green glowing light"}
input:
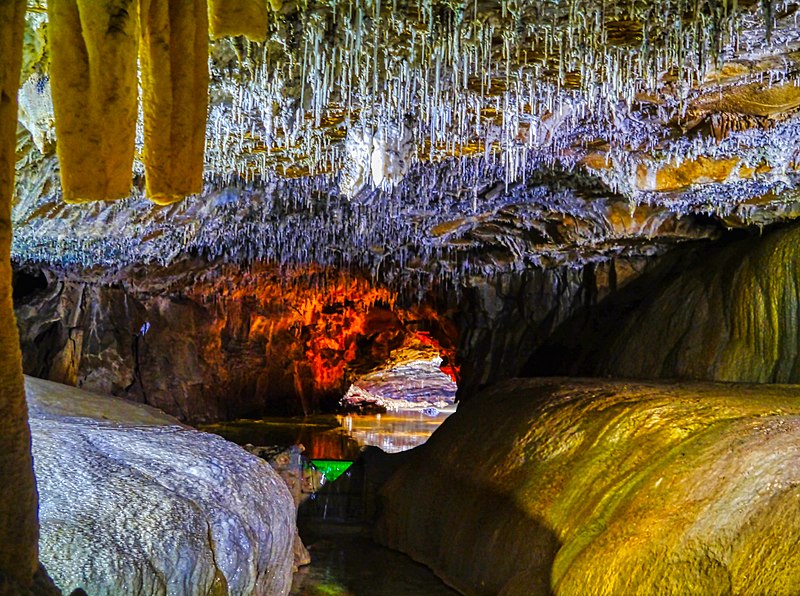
[(330, 468)]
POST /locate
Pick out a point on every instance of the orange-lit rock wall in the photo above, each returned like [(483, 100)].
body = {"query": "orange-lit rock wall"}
[(226, 343)]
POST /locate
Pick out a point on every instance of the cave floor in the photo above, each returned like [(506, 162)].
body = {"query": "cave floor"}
[(346, 561)]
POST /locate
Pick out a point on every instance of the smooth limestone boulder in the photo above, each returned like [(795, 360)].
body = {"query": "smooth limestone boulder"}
[(133, 502), (596, 487)]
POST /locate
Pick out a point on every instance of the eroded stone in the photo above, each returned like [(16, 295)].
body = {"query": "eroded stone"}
[(133, 502)]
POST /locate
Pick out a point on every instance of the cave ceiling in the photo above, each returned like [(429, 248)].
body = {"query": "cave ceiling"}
[(435, 140)]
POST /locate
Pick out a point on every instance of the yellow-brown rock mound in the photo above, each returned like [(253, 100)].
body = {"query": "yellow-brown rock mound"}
[(596, 487)]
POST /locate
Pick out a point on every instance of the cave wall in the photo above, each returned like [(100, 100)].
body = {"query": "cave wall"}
[(234, 344), (230, 344), (503, 320), (726, 312)]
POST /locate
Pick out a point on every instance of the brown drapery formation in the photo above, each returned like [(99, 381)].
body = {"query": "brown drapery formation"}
[(238, 17), (93, 49), (174, 58), (19, 530), (94, 45)]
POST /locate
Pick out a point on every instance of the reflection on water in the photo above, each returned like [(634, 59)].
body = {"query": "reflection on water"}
[(346, 562), (336, 437), (334, 514), (393, 431), (321, 436)]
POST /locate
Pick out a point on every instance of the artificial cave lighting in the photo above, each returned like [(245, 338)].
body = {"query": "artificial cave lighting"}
[(508, 286), (331, 469)]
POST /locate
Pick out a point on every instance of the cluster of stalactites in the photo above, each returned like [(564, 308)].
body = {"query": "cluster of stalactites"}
[(460, 78), (366, 86), (96, 48)]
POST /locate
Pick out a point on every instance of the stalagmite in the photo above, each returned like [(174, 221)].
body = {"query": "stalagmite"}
[(238, 17), (19, 531), (93, 79), (174, 63)]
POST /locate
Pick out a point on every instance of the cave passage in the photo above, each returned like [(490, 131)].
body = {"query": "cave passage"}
[(395, 407), (510, 287)]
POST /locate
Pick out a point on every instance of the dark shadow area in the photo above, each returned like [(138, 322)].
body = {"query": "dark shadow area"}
[(335, 526), (352, 498), (480, 540), (577, 347), (346, 561), (27, 282)]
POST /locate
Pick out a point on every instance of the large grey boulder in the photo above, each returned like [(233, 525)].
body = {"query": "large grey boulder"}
[(133, 502)]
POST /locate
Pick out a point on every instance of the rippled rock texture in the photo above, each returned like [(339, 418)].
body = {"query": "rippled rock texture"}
[(596, 487), (132, 502)]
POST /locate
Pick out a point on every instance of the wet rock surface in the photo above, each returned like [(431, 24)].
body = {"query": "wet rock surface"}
[(577, 487), (132, 502)]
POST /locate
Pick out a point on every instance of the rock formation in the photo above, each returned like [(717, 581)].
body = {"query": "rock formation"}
[(132, 502), (212, 343), (578, 487), (320, 138), (726, 314), (18, 525), (504, 319), (174, 65), (93, 76), (514, 159)]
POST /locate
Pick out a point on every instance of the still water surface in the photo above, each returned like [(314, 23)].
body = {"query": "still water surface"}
[(344, 559), (336, 436)]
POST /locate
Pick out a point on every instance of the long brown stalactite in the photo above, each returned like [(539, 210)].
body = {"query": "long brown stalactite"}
[(19, 531)]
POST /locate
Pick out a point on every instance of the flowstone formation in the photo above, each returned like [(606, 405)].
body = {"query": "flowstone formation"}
[(133, 502), (18, 519), (594, 486), (425, 145)]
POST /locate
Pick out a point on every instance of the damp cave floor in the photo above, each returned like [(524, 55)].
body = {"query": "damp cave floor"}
[(345, 561)]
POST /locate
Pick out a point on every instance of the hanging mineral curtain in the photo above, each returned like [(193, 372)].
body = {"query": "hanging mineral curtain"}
[(174, 63), (238, 17), (93, 49)]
